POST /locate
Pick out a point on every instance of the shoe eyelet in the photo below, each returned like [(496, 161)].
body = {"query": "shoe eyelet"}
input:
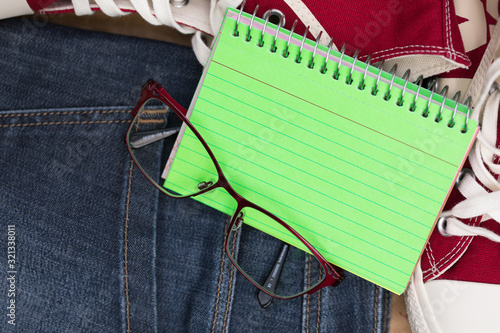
[(441, 226), (462, 174), (179, 3)]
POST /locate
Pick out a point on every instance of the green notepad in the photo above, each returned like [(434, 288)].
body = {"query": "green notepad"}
[(360, 177)]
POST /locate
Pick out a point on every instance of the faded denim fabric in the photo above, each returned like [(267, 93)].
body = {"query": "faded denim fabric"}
[(96, 247)]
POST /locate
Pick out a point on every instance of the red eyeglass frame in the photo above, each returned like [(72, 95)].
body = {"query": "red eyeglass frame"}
[(153, 89)]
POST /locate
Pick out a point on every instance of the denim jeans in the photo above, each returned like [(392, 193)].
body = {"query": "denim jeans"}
[(87, 244)]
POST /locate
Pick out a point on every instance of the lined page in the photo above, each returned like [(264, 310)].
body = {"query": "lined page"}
[(360, 178)]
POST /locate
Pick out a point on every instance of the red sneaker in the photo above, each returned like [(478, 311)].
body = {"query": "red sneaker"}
[(185, 16), (456, 286)]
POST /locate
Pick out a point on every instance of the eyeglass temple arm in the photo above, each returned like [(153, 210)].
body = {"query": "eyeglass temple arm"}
[(176, 107), (272, 280)]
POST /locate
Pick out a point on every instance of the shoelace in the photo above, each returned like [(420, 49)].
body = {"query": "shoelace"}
[(485, 163), (161, 14)]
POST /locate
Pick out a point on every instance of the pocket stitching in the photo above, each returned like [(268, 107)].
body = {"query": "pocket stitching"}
[(68, 123)]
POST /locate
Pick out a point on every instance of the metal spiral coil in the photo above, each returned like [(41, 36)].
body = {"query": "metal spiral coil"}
[(298, 58), (236, 33), (443, 93), (285, 52), (336, 73), (425, 112), (361, 85), (260, 43), (323, 68), (375, 89), (280, 24), (311, 63), (352, 67), (251, 22), (455, 98), (393, 70), (419, 81), (348, 80), (406, 77)]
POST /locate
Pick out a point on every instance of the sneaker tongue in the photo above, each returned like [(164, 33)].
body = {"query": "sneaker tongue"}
[(37, 5)]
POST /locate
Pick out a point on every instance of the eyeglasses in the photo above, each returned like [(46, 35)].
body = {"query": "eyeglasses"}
[(150, 144)]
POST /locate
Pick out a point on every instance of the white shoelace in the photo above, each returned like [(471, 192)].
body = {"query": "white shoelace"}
[(161, 14), (484, 157)]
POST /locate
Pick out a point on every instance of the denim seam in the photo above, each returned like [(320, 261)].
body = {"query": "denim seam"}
[(230, 286), (68, 123), (54, 113), (375, 308), (319, 311), (308, 295), (125, 246), (220, 277)]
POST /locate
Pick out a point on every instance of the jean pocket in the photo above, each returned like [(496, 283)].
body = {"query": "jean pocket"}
[(62, 182)]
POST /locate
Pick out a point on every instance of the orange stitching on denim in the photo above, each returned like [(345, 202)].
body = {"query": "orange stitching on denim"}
[(231, 275), (319, 310), (318, 314), (155, 111), (220, 275), (125, 239), (68, 123), (141, 120), (150, 121), (375, 308), (53, 113)]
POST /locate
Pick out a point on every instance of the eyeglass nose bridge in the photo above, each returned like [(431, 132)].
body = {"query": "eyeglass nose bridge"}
[(204, 185)]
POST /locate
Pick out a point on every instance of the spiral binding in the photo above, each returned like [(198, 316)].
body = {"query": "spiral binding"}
[(405, 77), (336, 72)]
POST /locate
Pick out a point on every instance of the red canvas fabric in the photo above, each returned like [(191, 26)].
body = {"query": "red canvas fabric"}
[(385, 29), (37, 5)]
